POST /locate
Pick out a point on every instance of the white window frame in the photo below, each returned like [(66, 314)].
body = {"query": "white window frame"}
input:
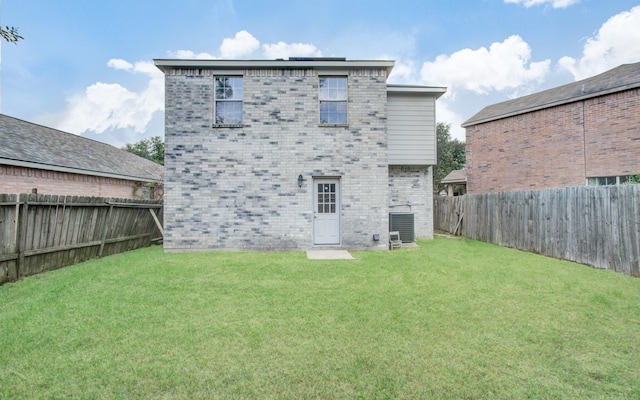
[(333, 96), (619, 180), (222, 101)]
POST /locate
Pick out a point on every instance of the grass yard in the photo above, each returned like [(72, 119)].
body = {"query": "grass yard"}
[(453, 318)]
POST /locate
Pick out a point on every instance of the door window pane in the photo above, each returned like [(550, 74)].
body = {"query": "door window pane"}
[(326, 198)]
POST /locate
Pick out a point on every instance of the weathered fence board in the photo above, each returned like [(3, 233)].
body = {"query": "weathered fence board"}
[(598, 226), (40, 233)]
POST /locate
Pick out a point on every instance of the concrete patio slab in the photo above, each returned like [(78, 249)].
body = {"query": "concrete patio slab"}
[(329, 255)]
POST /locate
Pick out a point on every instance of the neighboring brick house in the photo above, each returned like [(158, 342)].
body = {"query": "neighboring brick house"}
[(48, 161), (294, 154), (586, 132)]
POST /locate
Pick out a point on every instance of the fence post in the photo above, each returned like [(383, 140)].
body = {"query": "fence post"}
[(21, 234), (104, 230), (14, 248)]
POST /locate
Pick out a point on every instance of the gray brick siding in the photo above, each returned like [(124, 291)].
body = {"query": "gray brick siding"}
[(411, 191), (236, 188)]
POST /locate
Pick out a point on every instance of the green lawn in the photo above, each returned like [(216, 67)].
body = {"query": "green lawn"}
[(453, 318)]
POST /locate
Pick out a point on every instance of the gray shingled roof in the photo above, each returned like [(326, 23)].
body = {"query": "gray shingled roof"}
[(624, 77), (456, 176), (28, 144)]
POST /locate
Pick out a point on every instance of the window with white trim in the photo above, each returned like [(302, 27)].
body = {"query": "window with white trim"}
[(228, 100), (333, 100), (613, 180)]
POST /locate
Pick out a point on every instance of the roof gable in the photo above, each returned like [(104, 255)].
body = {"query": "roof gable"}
[(25, 143), (456, 176), (624, 77)]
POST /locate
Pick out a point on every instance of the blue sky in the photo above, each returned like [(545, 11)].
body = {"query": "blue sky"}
[(85, 66)]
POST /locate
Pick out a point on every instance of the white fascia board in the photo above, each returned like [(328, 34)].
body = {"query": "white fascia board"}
[(436, 91), (165, 64)]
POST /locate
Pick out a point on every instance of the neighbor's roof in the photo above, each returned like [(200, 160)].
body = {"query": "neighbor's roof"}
[(35, 146), (330, 63), (624, 77), (456, 176)]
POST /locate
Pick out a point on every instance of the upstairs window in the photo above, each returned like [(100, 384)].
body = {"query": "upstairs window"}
[(333, 100), (228, 100)]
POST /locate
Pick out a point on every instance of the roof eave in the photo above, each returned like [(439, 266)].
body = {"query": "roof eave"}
[(59, 168), (167, 64), (586, 96), (435, 91), (454, 181)]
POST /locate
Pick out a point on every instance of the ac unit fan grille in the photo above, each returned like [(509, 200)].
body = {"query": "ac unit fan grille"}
[(403, 223)]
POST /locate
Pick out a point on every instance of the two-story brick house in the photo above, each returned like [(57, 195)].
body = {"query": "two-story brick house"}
[(294, 154), (583, 133)]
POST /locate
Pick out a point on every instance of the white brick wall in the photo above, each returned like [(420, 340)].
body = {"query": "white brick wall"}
[(236, 188), (411, 191)]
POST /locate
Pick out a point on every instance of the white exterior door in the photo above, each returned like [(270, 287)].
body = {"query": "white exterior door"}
[(326, 213)]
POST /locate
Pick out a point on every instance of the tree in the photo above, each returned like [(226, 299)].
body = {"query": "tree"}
[(451, 155), (10, 34), (151, 149)]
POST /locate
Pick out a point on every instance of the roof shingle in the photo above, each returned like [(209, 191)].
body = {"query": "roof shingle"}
[(624, 77), (456, 176), (26, 142)]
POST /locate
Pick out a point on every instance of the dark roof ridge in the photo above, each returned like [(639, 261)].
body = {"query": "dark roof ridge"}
[(55, 129)]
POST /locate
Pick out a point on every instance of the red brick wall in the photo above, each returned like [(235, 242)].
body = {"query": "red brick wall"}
[(613, 134), (23, 180), (556, 147)]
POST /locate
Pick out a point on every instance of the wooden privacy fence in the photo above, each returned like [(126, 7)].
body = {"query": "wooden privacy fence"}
[(597, 226), (40, 233)]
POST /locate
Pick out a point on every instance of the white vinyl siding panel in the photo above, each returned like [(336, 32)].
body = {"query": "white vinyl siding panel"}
[(411, 128)]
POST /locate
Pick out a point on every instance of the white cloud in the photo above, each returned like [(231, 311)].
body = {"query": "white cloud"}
[(149, 69), (553, 3), (616, 42), (190, 55), (108, 106), (284, 50), (446, 114), (117, 63), (241, 45), (505, 65), (404, 71)]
